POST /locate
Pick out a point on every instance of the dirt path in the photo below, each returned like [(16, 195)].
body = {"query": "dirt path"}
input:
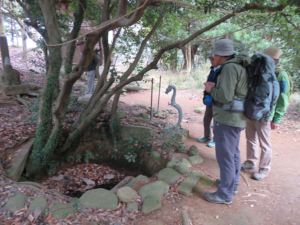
[(274, 200)]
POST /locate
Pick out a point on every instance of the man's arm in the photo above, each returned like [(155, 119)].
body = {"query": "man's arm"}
[(224, 91), (283, 100)]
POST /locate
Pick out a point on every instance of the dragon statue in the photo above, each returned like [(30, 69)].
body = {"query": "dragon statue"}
[(173, 103)]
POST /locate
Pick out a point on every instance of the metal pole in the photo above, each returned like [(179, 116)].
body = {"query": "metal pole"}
[(158, 94), (151, 99)]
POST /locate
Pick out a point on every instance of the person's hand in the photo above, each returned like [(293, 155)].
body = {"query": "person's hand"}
[(274, 126), (208, 86)]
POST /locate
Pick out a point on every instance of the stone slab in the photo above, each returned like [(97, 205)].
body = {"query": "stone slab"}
[(133, 206), (83, 100), (200, 110), (138, 132), (171, 164), (176, 135), (16, 203), (38, 202), (126, 194), (176, 157), (193, 150), (123, 182), (135, 180), (155, 189), (60, 211), (182, 168), (189, 183), (99, 198), (142, 120), (185, 162), (185, 218), (196, 159), (151, 204), (169, 175), (20, 159), (143, 115)]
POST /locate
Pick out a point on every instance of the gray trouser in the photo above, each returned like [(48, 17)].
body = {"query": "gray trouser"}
[(91, 82), (227, 140), (259, 132), (207, 122)]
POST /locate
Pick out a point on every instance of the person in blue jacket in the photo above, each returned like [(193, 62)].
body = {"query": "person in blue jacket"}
[(207, 100)]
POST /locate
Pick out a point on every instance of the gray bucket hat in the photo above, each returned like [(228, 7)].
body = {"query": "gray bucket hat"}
[(223, 47)]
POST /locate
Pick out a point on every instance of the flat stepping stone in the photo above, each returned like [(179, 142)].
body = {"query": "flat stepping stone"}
[(151, 204), (126, 194), (200, 110), (16, 203), (186, 162), (135, 180), (20, 159), (185, 218), (60, 211), (171, 164), (169, 175), (133, 206), (182, 168), (189, 183), (155, 189), (176, 157), (194, 160), (38, 202), (193, 150), (99, 198), (125, 181)]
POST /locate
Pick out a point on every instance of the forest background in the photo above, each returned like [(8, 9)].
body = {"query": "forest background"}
[(142, 36)]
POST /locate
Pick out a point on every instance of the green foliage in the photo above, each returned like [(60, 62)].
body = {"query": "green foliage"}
[(52, 167), (170, 140), (33, 107), (132, 149)]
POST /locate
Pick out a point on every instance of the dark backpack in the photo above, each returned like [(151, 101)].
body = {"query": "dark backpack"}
[(263, 88)]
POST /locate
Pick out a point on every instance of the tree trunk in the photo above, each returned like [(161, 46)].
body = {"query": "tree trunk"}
[(188, 58), (78, 15), (46, 136), (173, 63), (24, 37), (16, 31), (9, 76)]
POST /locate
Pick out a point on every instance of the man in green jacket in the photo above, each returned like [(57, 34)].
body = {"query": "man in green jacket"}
[(232, 84), (257, 131)]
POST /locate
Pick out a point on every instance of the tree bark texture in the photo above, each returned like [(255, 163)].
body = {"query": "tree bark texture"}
[(46, 135), (9, 76), (79, 16)]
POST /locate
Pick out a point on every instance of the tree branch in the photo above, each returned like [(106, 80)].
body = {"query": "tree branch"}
[(289, 21)]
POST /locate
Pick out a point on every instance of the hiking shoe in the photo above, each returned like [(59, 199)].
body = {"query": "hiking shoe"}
[(235, 190), (203, 140), (261, 174), (214, 198), (211, 144), (248, 165)]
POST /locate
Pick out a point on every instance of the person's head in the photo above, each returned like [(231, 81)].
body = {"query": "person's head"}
[(223, 50), (211, 59), (273, 52)]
